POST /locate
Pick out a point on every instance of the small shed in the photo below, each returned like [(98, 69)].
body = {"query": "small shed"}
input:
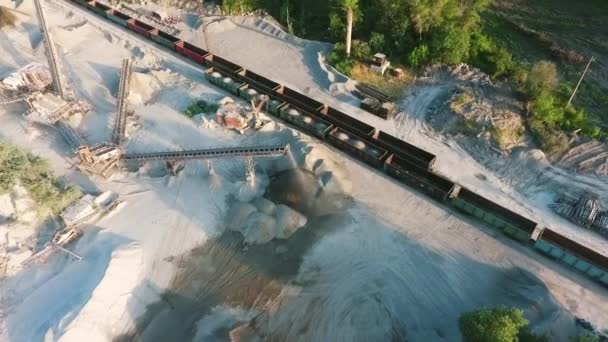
[(379, 63)]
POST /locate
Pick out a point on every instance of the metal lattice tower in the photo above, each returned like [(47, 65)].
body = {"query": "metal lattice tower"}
[(51, 53), (118, 134)]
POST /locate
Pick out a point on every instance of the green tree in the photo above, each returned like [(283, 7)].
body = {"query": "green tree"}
[(451, 45), (500, 324)]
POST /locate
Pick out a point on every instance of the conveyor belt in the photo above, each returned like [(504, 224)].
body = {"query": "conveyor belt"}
[(50, 51), (225, 152), (118, 134)]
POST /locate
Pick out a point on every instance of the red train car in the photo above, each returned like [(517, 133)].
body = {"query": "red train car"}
[(193, 52), (139, 27)]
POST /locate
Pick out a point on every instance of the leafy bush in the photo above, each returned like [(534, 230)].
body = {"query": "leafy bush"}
[(200, 106), (551, 140), (500, 324), (419, 56), (360, 51), (377, 42), (542, 77), (236, 7), (337, 58), (451, 44), (545, 107), (34, 173)]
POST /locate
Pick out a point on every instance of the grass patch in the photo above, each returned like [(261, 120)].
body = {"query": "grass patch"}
[(7, 18), (460, 101), (553, 142), (390, 85), (18, 166), (201, 107), (467, 126), (505, 137)]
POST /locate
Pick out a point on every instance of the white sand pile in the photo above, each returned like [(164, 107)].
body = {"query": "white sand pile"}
[(104, 315), (19, 223), (143, 88)]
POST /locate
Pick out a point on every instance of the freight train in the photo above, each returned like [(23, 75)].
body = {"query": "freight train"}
[(399, 159)]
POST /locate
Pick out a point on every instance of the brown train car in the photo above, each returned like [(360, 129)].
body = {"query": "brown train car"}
[(299, 100), (358, 147), (419, 178), (220, 63), (193, 52), (405, 150), (347, 122)]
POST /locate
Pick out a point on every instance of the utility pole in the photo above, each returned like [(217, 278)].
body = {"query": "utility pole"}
[(580, 81)]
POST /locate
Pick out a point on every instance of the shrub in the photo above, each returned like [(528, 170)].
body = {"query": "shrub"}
[(542, 77), (200, 106), (377, 42), (500, 324), (551, 140), (360, 50), (545, 107), (450, 45), (337, 58), (34, 173), (236, 7), (419, 56)]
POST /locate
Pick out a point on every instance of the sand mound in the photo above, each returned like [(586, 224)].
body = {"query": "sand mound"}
[(7, 18), (143, 88)]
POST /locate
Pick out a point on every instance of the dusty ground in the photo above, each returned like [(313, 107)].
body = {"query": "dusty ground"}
[(390, 264)]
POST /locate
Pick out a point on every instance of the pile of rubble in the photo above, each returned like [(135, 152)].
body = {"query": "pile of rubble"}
[(473, 106), (32, 77), (584, 210)]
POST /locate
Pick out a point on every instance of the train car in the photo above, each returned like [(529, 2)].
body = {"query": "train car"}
[(511, 223), (274, 105), (139, 27), (357, 147), (347, 122), (261, 83), (118, 17), (248, 92), (299, 100), (405, 150), (163, 38), (99, 8), (222, 64), (306, 121), (420, 178), (223, 80), (193, 52), (584, 259), (82, 2)]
